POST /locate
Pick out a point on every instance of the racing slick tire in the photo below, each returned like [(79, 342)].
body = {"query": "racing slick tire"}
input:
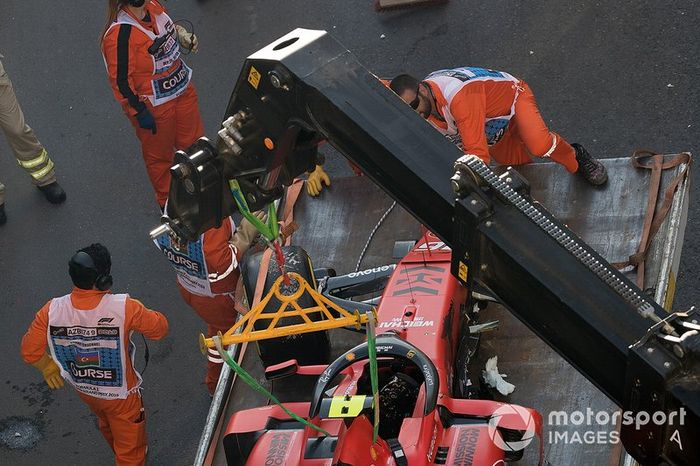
[(308, 348)]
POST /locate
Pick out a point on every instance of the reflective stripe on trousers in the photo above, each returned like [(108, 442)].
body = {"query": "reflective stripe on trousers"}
[(27, 149), (38, 167)]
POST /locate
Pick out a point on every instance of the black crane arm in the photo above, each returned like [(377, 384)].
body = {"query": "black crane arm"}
[(306, 88)]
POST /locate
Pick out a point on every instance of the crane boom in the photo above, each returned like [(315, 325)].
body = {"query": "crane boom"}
[(306, 88)]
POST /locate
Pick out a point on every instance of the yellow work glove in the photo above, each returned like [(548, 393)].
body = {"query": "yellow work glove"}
[(316, 178), (49, 369), (246, 232), (187, 39)]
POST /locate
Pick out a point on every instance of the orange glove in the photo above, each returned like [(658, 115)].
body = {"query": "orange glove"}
[(314, 184), (49, 369)]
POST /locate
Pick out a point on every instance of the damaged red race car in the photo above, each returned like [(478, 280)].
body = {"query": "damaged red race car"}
[(428, 411)]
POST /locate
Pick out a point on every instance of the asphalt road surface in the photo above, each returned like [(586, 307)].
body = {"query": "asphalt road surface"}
[(614, 75)]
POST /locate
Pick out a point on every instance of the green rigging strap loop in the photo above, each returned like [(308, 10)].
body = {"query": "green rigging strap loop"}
[(373, 371), (270, 230), (247, 378)]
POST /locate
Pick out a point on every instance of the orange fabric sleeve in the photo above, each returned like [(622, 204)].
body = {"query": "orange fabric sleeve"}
[(34, 342), (468, 108), (129, 64), (219, 253), (216, 248), (109, 51), (121, 62), (152, 324)]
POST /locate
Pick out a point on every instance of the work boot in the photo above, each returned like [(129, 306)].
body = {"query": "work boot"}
[(54, 192), (3, 217), (591, 169)]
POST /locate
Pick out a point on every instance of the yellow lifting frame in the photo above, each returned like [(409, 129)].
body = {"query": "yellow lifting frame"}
[(289, 307)]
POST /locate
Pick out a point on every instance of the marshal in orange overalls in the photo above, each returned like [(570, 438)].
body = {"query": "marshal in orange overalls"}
[(87, 333), (491, 113), (207, 275), (145, 70)]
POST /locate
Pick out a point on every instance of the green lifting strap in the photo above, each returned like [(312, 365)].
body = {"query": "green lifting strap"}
[(270, 230), (373, 372), (247, 378)]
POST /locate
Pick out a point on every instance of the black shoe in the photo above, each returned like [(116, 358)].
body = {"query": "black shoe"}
[(3, 216), (54, 192), (591, 169)]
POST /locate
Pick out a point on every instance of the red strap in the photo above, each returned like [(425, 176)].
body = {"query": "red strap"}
[(262, 275), (654, 186), (287, 221), (654, 217)]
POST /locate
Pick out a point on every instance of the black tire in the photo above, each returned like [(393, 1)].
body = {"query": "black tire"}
[(307, 348)]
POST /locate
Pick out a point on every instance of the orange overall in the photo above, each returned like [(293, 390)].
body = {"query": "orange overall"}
[(493, 114), (207, 277), (121, 421), (145, 70)]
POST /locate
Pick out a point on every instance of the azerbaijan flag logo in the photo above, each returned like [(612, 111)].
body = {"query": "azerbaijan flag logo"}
[(87, 358)]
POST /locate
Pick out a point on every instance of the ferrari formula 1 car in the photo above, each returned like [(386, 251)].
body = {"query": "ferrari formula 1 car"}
[(427, 410)]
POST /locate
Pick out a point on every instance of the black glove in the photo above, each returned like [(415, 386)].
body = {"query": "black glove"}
[(146, 120)]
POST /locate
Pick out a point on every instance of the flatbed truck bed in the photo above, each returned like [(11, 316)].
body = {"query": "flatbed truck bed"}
[(334, 230)]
